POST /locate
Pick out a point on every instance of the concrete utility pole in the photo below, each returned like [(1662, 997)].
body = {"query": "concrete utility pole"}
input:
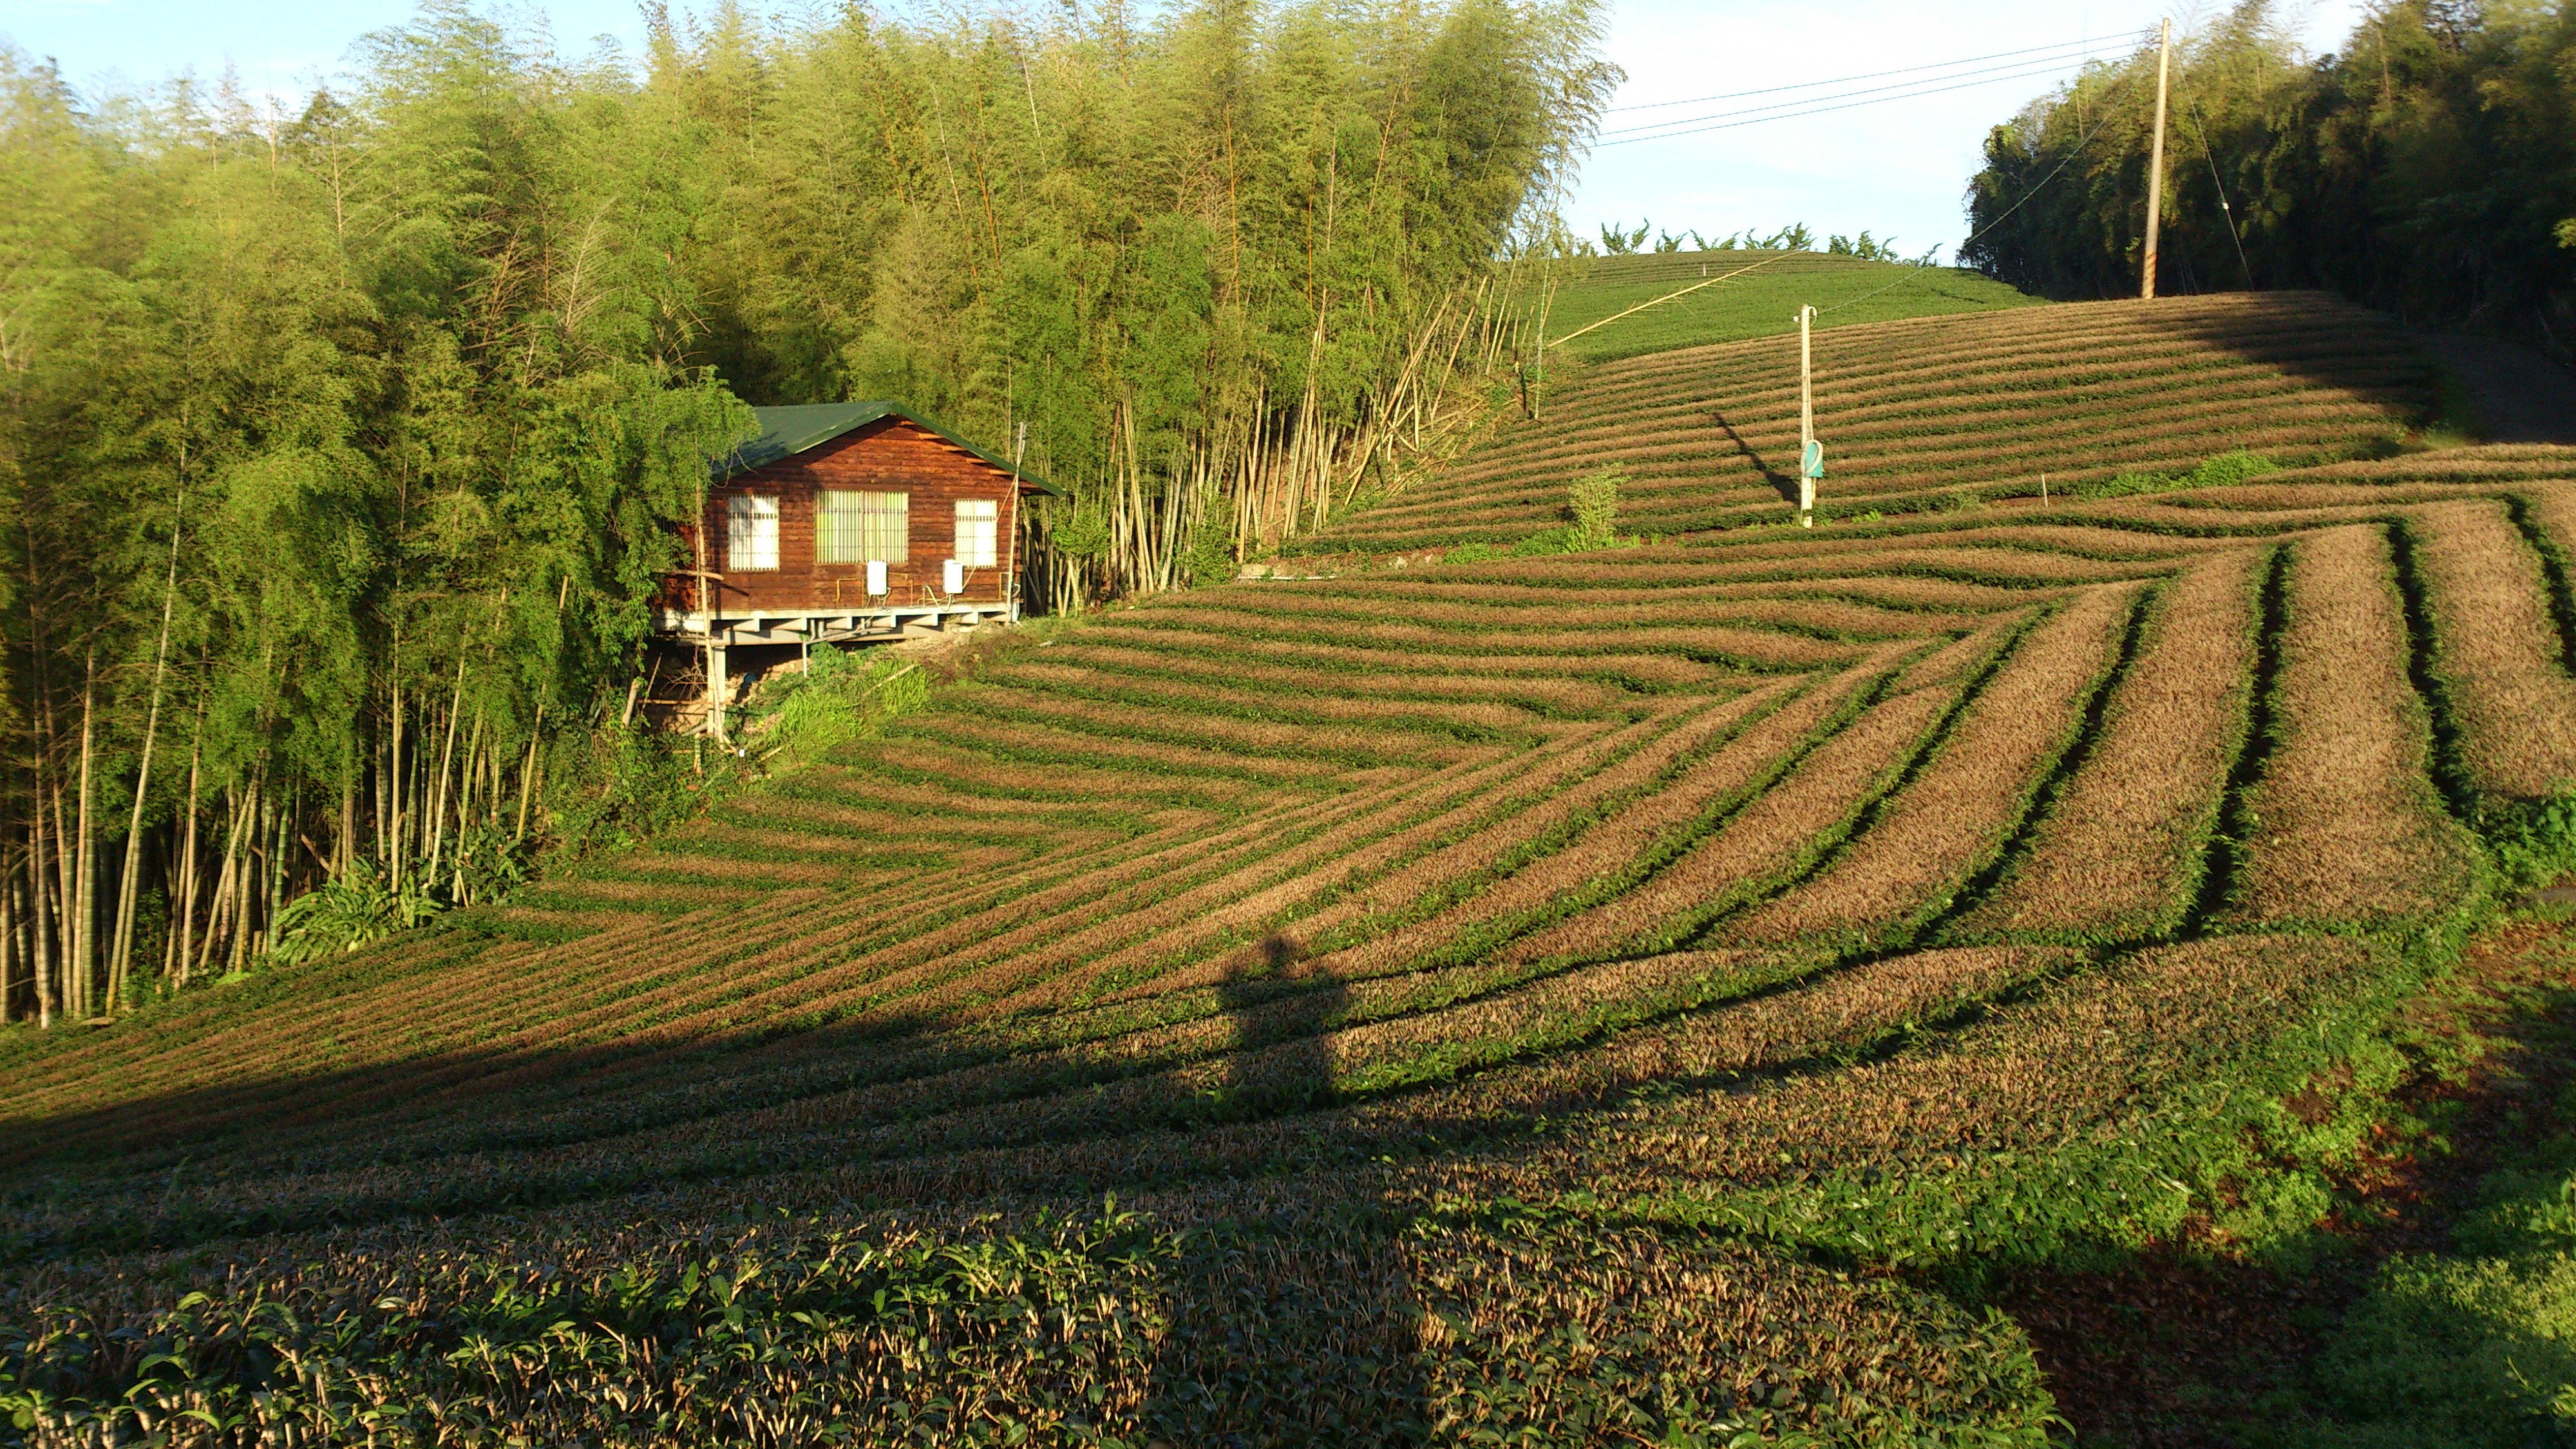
[(1811, 454), (2156, 161)]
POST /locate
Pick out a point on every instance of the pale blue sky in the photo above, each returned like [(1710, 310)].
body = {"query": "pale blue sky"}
[(1897, 168)]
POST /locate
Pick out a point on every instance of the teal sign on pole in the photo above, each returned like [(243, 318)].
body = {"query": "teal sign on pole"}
[(1813, 466)]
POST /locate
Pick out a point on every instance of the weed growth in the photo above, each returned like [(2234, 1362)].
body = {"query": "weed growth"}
[(2225, 470)]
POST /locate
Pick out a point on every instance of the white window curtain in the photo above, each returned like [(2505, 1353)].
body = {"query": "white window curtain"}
[(978, 532), (836, 529), (751, 532), (862, 527)]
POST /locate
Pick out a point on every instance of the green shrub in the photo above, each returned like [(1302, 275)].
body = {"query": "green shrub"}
[(2229, 468), (2537, 843), (622, 785), (1210, 559), (346, 913), (841, 696), (1594, 499)]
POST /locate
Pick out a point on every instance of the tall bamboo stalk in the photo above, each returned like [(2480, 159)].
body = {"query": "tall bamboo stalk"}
[(85, 952), (125, 896), (9, 952), (183, 910), (447, 756), (39, 951)]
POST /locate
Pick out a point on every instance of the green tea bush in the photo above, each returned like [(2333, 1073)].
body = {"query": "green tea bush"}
[(1077, 1330)]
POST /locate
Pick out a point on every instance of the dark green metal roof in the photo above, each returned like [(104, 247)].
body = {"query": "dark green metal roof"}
[(787, 431)]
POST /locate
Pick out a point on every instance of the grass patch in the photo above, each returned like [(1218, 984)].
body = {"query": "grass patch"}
[(1759, 304), (2225, 470)]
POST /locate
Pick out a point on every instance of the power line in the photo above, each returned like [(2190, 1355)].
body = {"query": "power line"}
[(2035, 189), (1843, 105), (2085, 45), (2203, 132), (2000, 72), (2078, 149), (1659, 301)]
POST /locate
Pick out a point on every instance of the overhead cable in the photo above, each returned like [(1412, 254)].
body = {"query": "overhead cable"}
[(2223, 205), (1848, 100), (1668, 296), (2035, 188), (2019, 67), (2076, 47)]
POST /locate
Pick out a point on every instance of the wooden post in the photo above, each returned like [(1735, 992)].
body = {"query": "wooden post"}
[(715, 659), (716, 689), (1006, 531), (2156, 162), (1806, 419)]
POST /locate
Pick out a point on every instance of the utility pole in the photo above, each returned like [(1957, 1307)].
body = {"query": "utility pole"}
[(1811, 454), (2156, 160)]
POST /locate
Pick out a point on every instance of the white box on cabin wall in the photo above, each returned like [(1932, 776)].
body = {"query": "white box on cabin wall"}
[(952, 577), (877, 577)]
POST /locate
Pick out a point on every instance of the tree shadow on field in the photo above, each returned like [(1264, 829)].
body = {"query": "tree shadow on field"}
[(1782, 483), (1293, 1321), (2321, 341)]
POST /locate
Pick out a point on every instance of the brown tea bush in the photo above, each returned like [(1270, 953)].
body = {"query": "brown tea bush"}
[(1935, 403), (1558, 792), (1764, 843), (1952, 817), (2349, 824), (2498, 651), (1531, 895), (2118, 856)]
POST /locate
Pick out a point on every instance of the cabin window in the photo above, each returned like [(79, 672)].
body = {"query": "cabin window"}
[(862, 527), (751, 532), (978, 526)]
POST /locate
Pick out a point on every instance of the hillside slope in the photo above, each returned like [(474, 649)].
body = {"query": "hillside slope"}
[(1756, 294), (1929, 411), (1519, 975)]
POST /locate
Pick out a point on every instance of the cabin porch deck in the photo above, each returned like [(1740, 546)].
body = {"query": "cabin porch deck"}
[(835, 625)]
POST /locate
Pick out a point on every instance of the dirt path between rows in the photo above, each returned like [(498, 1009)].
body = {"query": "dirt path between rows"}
[(2519, 395)]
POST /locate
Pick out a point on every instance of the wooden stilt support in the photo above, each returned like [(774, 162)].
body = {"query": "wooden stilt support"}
[(719, 691)]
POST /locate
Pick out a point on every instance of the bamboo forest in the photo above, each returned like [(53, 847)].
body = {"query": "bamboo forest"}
[(340, 449)]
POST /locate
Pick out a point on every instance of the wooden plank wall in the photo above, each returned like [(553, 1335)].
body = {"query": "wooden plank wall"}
[(891, 455)]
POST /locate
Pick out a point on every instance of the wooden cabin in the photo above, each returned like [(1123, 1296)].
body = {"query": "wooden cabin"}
[(843, 523), (846, 522)]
